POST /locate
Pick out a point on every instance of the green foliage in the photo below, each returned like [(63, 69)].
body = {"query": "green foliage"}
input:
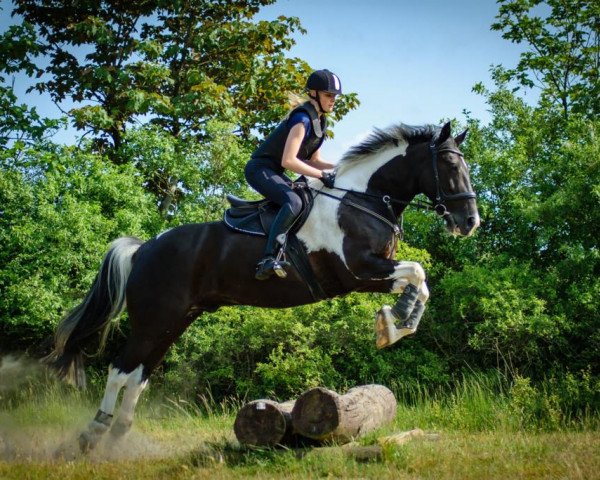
[(499, 308), (563, 401), (184, 63), (204, 80), (249, 352), (20, 122), (59, 210), (189, 178), (562, 49)]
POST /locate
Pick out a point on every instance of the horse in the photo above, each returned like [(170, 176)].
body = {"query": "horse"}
[(350, 239)]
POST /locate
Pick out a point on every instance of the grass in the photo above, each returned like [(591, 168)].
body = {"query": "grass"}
[(485, 432)]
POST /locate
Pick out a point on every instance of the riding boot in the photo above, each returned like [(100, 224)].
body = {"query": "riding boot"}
[(269, 264)]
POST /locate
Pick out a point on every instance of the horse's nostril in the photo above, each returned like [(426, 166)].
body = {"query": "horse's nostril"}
[(471, 222)]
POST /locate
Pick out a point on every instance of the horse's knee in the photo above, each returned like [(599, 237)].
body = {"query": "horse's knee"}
[(418, 273), (407, 273)]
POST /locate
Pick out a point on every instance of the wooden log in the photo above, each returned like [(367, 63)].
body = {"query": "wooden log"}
[(325, 415), (264, 423)]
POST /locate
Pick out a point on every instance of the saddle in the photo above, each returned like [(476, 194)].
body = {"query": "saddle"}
[(254, 217)]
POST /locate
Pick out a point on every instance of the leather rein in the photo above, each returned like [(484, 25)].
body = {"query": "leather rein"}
[(439, 206)]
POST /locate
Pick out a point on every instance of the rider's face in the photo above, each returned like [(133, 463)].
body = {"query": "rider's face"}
[(327, 101)]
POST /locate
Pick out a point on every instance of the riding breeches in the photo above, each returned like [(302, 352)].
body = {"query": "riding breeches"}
[(272, 185)]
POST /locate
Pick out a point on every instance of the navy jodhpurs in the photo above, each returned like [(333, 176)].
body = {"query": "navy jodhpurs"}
[(272, 185)]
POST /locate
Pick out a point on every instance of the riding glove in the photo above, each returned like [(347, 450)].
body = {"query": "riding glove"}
[(328, 179)]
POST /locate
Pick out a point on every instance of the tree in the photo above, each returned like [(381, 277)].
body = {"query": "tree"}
[(179, 65), (182, 63), (19, 122), (563, 50)]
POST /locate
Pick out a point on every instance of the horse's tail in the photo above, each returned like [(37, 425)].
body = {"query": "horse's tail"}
[(91, 318)]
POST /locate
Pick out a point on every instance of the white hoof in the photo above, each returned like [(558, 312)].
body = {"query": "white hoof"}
[(385, 330)]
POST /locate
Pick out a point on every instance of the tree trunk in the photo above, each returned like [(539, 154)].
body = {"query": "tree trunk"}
[(264, 423), (323, 414)]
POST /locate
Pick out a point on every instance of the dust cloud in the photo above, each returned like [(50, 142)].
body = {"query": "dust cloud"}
[(32, 429)]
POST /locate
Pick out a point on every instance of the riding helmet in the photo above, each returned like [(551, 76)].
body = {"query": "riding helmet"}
[(324, 81)]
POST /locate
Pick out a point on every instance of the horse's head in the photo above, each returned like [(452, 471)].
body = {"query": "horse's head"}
[(447, 183), (403, 161)]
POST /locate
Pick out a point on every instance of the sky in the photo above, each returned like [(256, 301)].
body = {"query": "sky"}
[(409, 61)]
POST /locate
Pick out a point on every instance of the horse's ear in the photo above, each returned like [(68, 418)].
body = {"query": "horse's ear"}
[(461, 137), (445, 133)]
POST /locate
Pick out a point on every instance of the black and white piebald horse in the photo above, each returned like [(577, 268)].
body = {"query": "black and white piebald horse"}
[(350, 238)]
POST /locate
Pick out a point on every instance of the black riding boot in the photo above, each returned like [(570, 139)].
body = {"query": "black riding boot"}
[(269, 265)]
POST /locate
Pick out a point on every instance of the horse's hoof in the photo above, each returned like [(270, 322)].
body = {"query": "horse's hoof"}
[(86, 442), (384, 327), (386, 331), (119, 429)]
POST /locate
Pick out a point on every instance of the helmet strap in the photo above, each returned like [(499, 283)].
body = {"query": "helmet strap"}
[(318, 100)]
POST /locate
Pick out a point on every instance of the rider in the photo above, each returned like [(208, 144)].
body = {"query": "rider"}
[(294, 145)]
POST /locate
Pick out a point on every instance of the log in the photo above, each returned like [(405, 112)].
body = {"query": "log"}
[(264, 423), (325, 415)]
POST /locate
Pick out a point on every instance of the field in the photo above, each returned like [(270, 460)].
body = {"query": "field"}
[(482, 434)]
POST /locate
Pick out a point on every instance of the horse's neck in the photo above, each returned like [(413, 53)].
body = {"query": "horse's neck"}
[(355, 174)]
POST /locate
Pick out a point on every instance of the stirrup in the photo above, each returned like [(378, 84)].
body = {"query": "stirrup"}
[(269, 266)]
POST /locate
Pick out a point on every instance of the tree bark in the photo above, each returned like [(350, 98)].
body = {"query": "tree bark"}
[(323, 414), (264, 423)]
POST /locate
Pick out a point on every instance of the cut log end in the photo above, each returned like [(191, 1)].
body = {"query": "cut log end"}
[(316, 413), (261, 423)]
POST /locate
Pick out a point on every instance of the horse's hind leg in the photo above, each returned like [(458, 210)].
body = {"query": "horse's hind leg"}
[(103, 419), (133, 389), (142, 353)]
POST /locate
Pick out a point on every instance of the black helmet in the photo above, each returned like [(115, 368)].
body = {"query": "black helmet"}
[(324, 81)]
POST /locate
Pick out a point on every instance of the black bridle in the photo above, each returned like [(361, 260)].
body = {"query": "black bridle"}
[(440, 196), (439, 206)]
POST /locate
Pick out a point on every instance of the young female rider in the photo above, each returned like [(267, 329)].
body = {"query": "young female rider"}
[(294, 145)]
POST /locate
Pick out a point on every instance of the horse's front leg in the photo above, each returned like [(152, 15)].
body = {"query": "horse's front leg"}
[(406, 278), (395, 322)]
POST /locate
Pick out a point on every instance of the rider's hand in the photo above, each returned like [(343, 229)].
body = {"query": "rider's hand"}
[(328, 179)]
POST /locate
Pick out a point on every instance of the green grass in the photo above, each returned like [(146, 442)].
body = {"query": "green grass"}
[(486, 430)]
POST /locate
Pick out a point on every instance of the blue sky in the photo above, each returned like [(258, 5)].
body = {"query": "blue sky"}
[(409, 61)]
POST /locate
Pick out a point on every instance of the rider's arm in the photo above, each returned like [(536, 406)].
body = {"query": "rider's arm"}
[(290, 160), (318, 162)]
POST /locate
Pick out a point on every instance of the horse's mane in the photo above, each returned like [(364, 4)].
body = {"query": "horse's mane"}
[(393, 135)]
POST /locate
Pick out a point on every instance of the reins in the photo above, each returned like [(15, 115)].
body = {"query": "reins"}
[(396, 225), (396, 228)]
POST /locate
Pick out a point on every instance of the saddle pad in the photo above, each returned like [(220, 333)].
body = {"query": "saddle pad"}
[(249, 220)]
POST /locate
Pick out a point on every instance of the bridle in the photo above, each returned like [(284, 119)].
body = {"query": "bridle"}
[(441, 197), (439, 206)]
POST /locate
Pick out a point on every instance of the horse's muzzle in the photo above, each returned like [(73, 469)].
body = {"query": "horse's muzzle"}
[(463, 225)]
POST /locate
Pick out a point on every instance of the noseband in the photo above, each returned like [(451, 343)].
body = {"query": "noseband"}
[(442, 197)]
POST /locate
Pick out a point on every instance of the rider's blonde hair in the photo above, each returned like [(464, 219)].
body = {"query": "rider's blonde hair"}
[(295, 100)]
